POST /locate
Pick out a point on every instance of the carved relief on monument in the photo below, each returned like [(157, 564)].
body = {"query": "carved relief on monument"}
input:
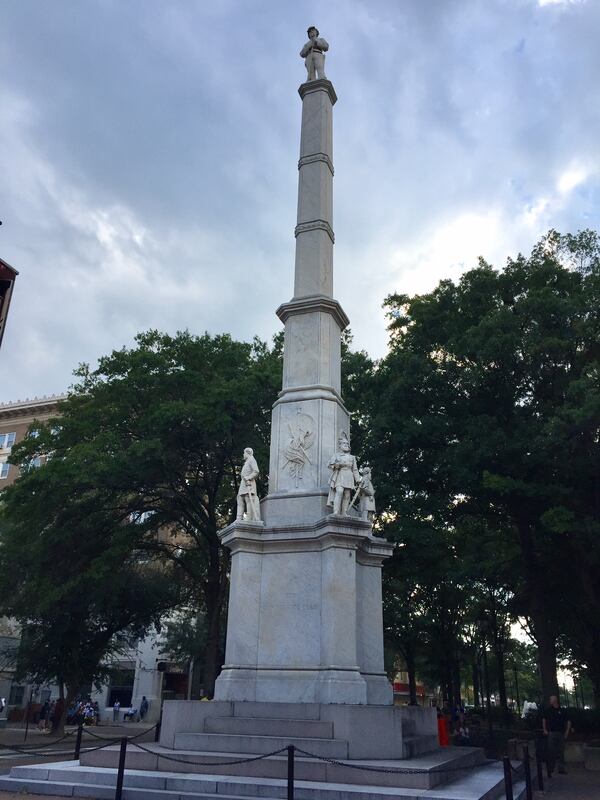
[(297, 452)]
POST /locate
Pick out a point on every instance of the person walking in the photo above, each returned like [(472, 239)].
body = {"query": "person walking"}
[(44, 716), (557, 727), (116, 709), (143, 708)]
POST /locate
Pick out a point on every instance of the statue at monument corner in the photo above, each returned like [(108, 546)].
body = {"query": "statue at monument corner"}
[(344, 478), (366, 495), (313, 54), (247, 499)]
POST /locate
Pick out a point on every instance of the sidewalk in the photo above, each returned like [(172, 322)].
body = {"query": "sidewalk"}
[(579, 784)]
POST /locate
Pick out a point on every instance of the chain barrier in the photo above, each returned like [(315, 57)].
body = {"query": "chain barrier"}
[(129, 738), (211, 763), (41, 746), (28, 751)]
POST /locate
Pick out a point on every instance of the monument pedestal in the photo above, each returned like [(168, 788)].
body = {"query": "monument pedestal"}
[(305, 614)]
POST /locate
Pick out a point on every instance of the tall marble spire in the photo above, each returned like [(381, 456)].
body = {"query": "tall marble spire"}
[(309, 415)]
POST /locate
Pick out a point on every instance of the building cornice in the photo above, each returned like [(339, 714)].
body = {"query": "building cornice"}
[(30, 407)]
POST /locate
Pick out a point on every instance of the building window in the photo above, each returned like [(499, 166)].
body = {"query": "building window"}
[(7, 440), (4, 467)]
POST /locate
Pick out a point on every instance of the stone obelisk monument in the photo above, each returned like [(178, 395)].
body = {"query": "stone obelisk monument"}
[(305, 613)]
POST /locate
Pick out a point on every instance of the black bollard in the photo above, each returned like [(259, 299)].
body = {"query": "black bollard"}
[(121, 771), (527, 769), (78, 742), (508, 786), (290, 772)]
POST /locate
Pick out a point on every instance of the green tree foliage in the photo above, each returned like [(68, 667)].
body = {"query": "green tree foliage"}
[(484, 427), (154, 438), (75, 585)]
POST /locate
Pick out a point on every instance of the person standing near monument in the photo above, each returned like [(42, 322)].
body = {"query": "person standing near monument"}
[(557, 726), (247, 499), (313, 54)]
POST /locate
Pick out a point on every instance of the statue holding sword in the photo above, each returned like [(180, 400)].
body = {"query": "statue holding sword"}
[(365, 494)]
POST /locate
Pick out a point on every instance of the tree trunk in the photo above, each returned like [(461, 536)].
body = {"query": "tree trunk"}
[(475, 677), (214, 593), (412, 677), (456, 682), (499, 656), (546, 655), (536, 600), (60, 710)]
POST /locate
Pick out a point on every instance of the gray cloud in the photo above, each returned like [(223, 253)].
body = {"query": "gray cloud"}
[(148, 155)]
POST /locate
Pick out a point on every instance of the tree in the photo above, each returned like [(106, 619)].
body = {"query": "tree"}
[(76, 587), (487, 407), (154, 437)]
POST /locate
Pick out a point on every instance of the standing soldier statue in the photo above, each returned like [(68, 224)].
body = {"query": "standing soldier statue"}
[(313, 54), (247, 499), (344, 477)]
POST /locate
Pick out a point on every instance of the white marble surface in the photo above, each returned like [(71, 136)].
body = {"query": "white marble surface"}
[(305, 595)]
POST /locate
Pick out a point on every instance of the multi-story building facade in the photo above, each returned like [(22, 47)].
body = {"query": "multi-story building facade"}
[(15, 420), (144, 671)]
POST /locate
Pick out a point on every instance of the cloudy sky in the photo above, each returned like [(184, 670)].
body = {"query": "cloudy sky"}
[(148, 158)]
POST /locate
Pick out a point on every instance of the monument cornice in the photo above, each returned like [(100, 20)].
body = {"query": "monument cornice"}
[(319, 85), (315, 225), (311, 303), (315, 158), (333, 531)]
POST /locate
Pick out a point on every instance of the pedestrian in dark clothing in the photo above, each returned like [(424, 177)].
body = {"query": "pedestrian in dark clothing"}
[(44, 716), (557, 726), (143, 708), (56, 717)]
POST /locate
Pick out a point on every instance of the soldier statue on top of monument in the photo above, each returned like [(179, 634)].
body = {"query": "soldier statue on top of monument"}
[(313, 54)]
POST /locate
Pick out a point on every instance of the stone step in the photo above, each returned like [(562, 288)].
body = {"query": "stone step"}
[(413, 746), (67, 780), (263, 726), (276, 710), (425, 772), (100, 792), (259, 745)]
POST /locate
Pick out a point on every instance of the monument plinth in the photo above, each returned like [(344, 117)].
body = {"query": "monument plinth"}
[(305, 613)]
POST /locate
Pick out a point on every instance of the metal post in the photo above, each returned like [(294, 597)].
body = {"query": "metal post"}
[(121, 771), (540, 771), (508, 786), (488, 702), (27, 712), (527, 769), (290, 772), (78, 742)]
